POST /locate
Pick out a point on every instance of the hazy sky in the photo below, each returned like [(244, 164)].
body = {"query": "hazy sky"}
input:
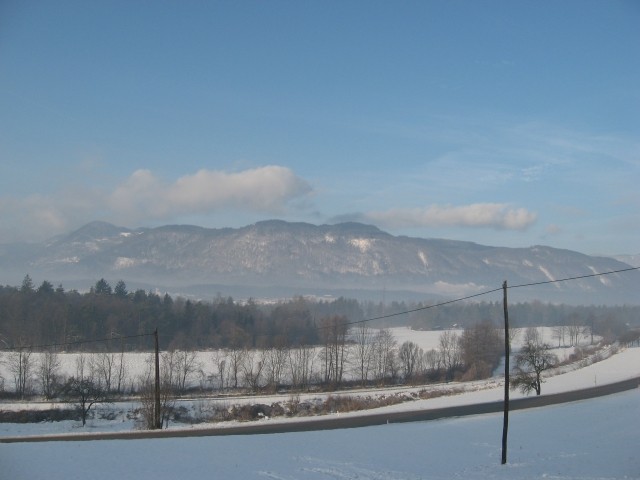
[(504, 123)]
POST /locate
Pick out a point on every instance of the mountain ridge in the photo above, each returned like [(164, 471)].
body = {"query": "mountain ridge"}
[(303, 256)]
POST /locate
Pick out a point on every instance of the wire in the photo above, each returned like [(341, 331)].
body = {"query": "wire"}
[(405, 312), (574, 278), (355, 322), (478, 295)]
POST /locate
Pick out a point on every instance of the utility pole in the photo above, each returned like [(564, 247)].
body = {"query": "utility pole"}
[(156, 413), (507, 353)]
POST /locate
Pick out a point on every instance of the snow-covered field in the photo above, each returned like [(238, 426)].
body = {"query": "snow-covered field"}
[(138, 363), (118, 416), (595, 439)]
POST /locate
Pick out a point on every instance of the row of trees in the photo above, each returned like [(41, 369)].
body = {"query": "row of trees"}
[(31, 315), (43, 315), (361, 356), (42, 373)]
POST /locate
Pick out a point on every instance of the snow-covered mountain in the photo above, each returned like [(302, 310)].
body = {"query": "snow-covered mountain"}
[(301, 258), (633, 260)]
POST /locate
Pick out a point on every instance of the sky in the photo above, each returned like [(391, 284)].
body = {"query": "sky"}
[(502, 123)]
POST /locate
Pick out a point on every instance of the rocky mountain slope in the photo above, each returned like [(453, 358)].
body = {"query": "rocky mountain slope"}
[(303, 258)]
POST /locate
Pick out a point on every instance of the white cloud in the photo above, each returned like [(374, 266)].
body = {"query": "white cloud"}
[(264, 189), (144, 197), (489, 215), (553, 229), (39, 217)]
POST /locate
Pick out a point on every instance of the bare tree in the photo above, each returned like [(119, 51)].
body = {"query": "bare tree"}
[(534, 358), (384, 356), (186, 364), (82, 366), (514, 333), (363, 351), (410, 355), (219, 359), (48, 368), (104, 366), (481, 348), (449, 352), (20, 365), (301, 366), (168, 388), (85, 389), (532, 335), (252, 366), (432, 361), (575, 330), (236, 358), (85, 393), (333, 335), (559, 332), (121, 372), (274, 363)]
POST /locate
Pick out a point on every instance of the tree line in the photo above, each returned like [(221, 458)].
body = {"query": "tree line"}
[(44, 314), (359, 356), (362, 356)]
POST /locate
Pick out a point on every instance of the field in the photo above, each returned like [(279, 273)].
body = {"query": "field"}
[(594, 439)]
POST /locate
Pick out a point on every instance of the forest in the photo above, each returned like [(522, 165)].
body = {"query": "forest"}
[(43, 315)]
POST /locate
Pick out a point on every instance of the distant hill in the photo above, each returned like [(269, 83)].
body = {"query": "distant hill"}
[(633, 260), (276, 258)]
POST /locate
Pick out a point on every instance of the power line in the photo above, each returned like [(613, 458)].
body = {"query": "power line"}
[(354, 322), (382, 317), (574, 278)]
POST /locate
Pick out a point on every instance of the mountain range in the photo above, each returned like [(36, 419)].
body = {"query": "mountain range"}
[(276, 258)]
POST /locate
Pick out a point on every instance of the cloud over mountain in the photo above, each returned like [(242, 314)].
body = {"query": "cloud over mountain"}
[(489, 215), (264, 189)]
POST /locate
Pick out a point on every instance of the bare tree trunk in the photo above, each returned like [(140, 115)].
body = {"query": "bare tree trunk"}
[(48, 372), (21, 365)]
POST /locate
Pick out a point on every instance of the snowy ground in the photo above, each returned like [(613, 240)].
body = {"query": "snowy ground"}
[(595, 439), (138, 363), (621, 366)]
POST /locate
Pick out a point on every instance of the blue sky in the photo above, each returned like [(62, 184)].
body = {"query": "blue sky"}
[(503, 123)]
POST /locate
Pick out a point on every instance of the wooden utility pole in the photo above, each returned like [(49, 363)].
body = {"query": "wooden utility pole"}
[(157, 418), (507, 353)]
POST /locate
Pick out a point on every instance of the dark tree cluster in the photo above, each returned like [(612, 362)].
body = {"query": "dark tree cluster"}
[(44, 315)]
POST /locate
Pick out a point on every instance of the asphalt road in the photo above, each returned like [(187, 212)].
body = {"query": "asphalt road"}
[(336, 422)]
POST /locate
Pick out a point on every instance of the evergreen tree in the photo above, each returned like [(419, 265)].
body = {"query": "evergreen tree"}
[(121, 289)]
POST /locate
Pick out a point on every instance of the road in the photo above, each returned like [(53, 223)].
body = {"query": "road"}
[(336, 422)]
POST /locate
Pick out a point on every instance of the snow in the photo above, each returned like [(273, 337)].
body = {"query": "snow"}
[(423, 259), (603, 280), (594, 439), (363, 244), (548, 275), (138, 363), (329, 238)]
